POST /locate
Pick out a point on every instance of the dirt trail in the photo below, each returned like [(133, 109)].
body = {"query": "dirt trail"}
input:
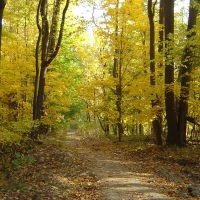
[(116, 181)]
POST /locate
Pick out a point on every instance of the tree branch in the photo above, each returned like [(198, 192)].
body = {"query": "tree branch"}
[(52, 57), (192, 120)]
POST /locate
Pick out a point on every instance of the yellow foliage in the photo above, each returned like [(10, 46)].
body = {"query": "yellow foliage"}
[(7, 136)]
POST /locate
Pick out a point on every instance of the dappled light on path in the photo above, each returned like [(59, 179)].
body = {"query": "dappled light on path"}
[(116, 181)]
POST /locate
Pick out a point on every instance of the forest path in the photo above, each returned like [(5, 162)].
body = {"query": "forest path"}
[(77, 167), (106, 163)]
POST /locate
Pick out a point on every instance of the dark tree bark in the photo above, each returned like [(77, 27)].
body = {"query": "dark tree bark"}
[(37, 70), (49, 43), (104, 120), (185, 75), (44, 45), (157, 127), (172, 136), (117, 73), (161, 22), (50, 46), (118, 92), (103, 123), (54, 27), (119, 101), (2, 6)]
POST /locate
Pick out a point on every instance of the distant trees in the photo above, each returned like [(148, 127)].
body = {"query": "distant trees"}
[(121, 78)]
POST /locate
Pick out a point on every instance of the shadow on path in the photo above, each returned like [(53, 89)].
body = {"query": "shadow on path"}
[(116, 182)]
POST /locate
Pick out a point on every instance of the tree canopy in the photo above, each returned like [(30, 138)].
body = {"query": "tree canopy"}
[(131, 67)]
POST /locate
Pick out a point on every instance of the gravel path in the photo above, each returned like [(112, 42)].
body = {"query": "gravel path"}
[(116, 181)]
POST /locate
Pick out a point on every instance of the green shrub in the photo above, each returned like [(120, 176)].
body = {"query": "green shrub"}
[(11, 144)]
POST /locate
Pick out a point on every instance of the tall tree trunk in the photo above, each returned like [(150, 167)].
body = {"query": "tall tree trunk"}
[(54, 27), (43, 69), (161, 22), (185, 75), (106, 117), (2, 6), (37, 69), (117, 74), (117, 67), (157, 126), (119, 102), (50, 45), (172, 136)]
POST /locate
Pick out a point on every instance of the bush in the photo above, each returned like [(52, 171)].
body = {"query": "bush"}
[(11, 144)]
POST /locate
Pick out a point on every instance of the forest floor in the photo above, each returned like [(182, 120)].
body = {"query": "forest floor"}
[(91, 168)]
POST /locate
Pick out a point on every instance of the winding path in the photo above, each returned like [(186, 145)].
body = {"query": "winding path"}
[(116, 181)]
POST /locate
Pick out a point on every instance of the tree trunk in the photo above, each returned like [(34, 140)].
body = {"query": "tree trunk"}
[(50, 45), (49, 50), (104, 122), (43, 69), (140, 129), (117, 67), (161, 22), (185, 76), (172, 136), (2, 6), (118, 104), (54, 27), (118, 92), (155, 103), (37, 70)]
